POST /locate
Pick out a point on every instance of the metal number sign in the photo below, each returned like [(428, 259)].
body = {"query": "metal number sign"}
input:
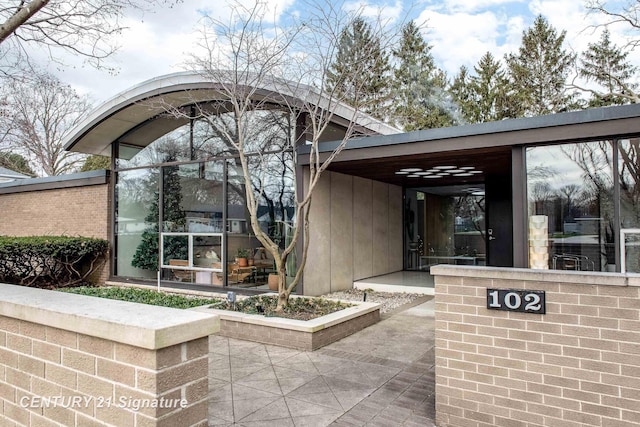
[(521, 300)]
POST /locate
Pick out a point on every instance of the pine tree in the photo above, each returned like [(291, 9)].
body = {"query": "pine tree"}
[(606, 64), (483, 97), (16, 162), (359, 73), (174, 219), (538, 73), (462, 95), (420, 89)]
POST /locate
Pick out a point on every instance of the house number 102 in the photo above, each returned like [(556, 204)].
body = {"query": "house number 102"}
[(524, 301)]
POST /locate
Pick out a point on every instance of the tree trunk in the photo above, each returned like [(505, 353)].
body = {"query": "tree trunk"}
[(20, 17), (283, 293)]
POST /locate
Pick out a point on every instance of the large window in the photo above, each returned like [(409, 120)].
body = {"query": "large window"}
[(571, 187), (629, 177), (181, 202), (136, 223)]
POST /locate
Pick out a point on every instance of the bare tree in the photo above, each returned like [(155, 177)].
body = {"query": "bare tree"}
[(86, 28), (626, 12), (38, 114), (256, 65)]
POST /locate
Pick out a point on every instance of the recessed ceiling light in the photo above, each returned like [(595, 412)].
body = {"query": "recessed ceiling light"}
[(462, 174), (402, 173), (433, 170), (443, 174), (457, 171), (445, 167), (478, 193), (413, 176), (467, 168), (472, 189), (423, 173), (475, 172), (411, 170), (432, 176)]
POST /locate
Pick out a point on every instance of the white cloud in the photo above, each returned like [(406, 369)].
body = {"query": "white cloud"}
[(462, 38), (460, 31), (387, 13), (469, 6)]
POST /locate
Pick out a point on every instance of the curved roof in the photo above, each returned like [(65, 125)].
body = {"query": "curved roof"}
[(132, 115)]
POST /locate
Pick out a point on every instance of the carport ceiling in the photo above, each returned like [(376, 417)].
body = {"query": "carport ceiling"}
[(487, 161)]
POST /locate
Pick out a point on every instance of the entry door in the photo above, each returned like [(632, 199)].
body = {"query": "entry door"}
[(499, 211)]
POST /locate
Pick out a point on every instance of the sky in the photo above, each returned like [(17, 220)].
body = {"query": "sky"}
[(460, 32)]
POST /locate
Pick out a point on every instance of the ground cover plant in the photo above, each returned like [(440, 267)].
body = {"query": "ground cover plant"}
[(298, 308), (143, 296)]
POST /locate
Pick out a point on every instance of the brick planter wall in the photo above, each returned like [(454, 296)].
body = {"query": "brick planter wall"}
[(298, 334), (576, 365), (100, 362), (298, 339)]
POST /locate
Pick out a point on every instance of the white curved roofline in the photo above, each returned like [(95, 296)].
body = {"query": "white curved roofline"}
[(124, 111)]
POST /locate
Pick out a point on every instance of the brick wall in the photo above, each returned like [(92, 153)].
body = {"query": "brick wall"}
[(576, 365), (77, 205), (99, 380)]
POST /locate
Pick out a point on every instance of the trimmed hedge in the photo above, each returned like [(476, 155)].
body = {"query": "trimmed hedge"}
[(50, 261)]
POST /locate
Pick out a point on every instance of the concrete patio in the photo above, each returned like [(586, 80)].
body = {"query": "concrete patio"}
[(381, 376)]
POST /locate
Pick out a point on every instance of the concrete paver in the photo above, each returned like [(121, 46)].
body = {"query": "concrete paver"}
[(381, 376)]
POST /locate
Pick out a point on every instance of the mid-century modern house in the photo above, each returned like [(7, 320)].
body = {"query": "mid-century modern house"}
[(557, 192)]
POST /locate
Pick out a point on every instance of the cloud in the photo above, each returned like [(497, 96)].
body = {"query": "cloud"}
[(462, 38), (387, 13), (470, 6)]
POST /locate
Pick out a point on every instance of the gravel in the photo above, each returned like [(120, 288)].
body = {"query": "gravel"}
[(389, 300)]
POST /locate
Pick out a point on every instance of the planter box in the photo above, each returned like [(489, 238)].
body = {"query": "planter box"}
[(306, 335)]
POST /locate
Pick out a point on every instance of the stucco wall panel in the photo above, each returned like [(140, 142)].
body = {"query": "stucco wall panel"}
[(380, 228), (395, 228), (317, 273), (362, 228), (341, 232), (356, 232)]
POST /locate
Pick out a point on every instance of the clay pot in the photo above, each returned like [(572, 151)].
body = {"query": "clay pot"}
[(273, 282)]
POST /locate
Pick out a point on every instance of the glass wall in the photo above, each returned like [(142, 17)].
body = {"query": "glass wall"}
[(571, 186), (182, 200), (136, 223), (629, 175)]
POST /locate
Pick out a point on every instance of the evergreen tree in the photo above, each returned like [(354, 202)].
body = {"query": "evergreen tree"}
[(420, 89), (174, 219), (359, 73), (483, 97), (463, 97), (539, 71), (16, 162), (606, 64), (96, 162)]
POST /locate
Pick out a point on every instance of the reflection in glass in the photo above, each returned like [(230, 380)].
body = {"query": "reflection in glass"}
[(171, 147), (572, 184), (629, 175), (137, 223), (192, 202), (447, 226), (272, 181)]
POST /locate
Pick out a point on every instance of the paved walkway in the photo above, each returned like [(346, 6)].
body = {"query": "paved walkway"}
[(381, 376)]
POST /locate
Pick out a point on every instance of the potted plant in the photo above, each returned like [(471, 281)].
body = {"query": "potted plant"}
[(241, 257)]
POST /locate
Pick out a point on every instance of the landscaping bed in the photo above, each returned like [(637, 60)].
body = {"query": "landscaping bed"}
[(306, 335), (315, 323)]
